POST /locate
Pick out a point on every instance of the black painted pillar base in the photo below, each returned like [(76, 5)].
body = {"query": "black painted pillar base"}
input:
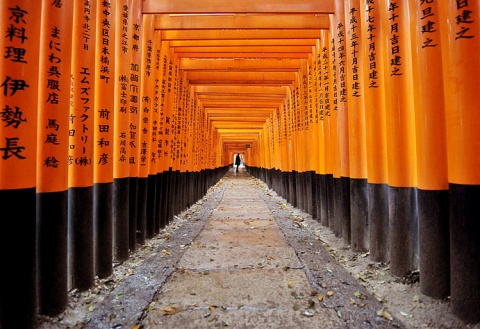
[(18, 285), (323, 196), (465, 251), (330, 201), (52, 225), (292, 194), (120, 219), (151, 210), (80, 214), (345, 210), (337, 207), (313, 194), (159, 207), (103, 221), (142, 196), (132, 213), (403, 230), (378, 222), (359, 215), (434, 243)]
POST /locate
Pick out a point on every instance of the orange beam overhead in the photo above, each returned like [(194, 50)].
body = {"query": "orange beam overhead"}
[(239, 34), (244, 6), (233, 42), (202, 22), (244, 49), (240, 65), (244, 55)]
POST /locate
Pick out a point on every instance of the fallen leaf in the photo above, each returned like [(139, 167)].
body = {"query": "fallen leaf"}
[(246, 222), (385, 314), (290, 284), (171, 310), (324, 285), (358, 294), (406, 314), (330, 293), (320, 297)]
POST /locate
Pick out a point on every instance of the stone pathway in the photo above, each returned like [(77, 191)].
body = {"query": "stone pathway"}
[(242, 272), (239, 258)]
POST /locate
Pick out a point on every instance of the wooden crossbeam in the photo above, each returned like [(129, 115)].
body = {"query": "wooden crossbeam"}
[(244, 6)]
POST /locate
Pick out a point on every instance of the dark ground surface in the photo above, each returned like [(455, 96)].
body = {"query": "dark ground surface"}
[(360, 292)]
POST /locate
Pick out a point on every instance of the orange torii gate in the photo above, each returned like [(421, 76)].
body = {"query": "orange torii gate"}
[(350, 110)]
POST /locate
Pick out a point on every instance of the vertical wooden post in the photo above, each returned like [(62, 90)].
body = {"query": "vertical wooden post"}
[(356, 126), (375, 124), (147, 127), (326, 101), (134, 108), (336, 186), (342, 204), (121, 122), (80, 180), (459, 22), (329, 129), (402, 174), (20, 24), (104, 137), (153, 226), (52, 147), (433, 217)]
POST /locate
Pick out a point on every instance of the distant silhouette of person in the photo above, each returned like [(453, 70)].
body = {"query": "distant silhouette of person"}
[(237, 161)]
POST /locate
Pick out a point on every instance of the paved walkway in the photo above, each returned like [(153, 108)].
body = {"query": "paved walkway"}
[(240, 273), (240, 261)]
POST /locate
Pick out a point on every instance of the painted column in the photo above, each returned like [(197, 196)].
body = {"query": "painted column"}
[(104, 137), (375, 124), (336, 163), (356, 126), (157, 135), (460, 32), (342, 204), (147, 178), (326, 103), (121, 129), (402, 174), (52, 147), (20, 26), (433, 217), (81, 160), (134, 109)]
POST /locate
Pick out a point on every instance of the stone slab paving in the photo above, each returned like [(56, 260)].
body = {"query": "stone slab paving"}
[(241, 273), (240, 261)]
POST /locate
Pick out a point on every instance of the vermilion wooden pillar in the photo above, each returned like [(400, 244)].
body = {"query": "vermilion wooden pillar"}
[(326, 103), (401, 151), (52, 165), (431, 145), (147, 129), (342, 202), (20, 24), (121, 130), (356, 126), (460, 32), (81, 160), (334, 141), (375, 124), (134, 109), (104, 137)]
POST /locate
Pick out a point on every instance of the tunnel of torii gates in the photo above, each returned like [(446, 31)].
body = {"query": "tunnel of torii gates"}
[(117, 115)]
